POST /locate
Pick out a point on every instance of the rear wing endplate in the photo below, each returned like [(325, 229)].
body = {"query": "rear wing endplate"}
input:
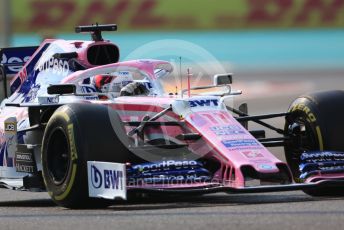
[(11, 62), (14, 58)]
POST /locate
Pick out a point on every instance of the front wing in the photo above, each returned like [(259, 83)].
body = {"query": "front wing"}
[(108, 180), (215, 188)]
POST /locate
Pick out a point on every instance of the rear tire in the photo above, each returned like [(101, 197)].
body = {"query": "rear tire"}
[(316, 121), (75, 134)]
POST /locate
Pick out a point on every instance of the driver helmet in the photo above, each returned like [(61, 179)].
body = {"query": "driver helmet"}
[(112, 82)]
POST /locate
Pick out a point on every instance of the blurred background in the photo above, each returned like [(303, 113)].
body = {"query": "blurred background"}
[(277, 49), (249, 35)]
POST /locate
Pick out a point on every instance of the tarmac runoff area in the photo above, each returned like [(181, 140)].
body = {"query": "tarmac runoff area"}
[(273, 92)]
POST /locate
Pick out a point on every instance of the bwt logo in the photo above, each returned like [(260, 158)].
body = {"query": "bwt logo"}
[(108, 179), (208, 102)]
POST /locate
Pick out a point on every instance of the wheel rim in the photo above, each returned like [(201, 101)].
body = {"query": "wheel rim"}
[(58, 156), (303, 139)]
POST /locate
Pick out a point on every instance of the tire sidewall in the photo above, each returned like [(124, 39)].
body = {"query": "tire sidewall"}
[(64, 192), (91, 137)]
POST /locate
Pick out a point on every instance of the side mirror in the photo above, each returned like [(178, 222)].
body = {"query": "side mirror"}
[(62, 89), (223, 79)]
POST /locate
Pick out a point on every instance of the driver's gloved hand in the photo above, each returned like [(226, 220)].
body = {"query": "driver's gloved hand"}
[(134, 88)]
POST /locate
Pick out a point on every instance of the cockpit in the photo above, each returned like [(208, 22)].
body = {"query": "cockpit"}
[(113, 78)]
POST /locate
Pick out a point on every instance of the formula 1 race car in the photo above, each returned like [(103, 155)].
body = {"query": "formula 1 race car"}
[(86, 147)]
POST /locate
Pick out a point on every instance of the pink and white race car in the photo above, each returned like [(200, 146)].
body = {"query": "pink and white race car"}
[(85, 147)]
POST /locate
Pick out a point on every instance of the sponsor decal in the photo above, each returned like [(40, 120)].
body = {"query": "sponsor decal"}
[(48, 100), (11, 127), (171, 164), (261, 161), (240, 143), (246, 148), (25, 168), (96, 177), (91, 98), (56, 66), (12, 60), (11, 139), (168, 172), (338, 167), (106, 180), (88, 89), (124, 73), (24, 160), (304, 108), (304, 167), (227, 130), (171, 179), (203, 103), (239, 137), (52, 100), (70, 131), (252, 154), (24, 157), (322, 168), (266, 167), (322, 156)]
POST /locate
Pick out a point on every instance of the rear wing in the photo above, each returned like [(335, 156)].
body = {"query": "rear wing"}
[(11, 62)]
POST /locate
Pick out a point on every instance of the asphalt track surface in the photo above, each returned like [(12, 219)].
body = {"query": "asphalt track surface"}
[(289, 210)]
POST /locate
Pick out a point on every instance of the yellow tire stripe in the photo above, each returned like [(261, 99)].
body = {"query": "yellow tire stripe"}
[(69, 186), (74, 156), (320, 140), (66, 117), (311, 118), (62, 114), (70, 134)]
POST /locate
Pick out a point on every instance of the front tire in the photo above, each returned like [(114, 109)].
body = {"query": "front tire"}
[(315, 123), (75, 134)]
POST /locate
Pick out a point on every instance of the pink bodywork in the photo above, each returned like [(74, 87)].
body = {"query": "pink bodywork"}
[(202, 121), (223, 139)]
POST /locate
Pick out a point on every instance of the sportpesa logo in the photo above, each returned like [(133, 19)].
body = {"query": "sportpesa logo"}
[(56, 66), (164, 165)]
